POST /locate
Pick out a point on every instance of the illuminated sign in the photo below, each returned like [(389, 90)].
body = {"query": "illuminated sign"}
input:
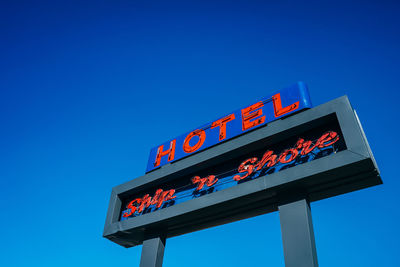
[(276, 106), (301, 151), (253, 164)]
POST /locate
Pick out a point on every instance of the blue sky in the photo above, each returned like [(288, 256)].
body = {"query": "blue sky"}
[(87, 88)]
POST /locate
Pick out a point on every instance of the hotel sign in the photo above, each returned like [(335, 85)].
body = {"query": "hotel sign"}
[(244, 164), (260, 113)]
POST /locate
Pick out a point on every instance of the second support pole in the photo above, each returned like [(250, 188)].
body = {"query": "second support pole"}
[(298, 234)]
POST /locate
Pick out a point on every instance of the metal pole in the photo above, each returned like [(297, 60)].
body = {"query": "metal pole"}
[(152, 252), (297, 234)]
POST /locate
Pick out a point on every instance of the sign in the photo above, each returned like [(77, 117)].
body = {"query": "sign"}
[(260, 113), (258, 165), (307, 148)]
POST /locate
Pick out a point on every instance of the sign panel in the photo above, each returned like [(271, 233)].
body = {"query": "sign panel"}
[(278, 105)]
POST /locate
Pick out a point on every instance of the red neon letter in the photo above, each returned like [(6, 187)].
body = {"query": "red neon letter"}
[(146, 202), (249, 113), (187, 147), (327, 139), (268, 157), (170, 152), (292, 152), (165, 196), (244, 167), (278, 109), (131, 207), (307, 146), (209, 181), (299, 143), (222, 125), (156, 197)]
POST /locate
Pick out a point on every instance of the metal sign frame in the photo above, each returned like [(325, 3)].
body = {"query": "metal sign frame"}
[(290, 191)]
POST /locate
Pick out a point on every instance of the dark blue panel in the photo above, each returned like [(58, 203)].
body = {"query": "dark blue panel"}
[(297, 93)]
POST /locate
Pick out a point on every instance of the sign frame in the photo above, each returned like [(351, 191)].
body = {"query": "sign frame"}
[(349, 170)]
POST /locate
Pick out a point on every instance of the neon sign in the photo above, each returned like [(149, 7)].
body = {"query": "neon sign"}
[(278, 105), (250, 168), (269, 159), (140, 204)]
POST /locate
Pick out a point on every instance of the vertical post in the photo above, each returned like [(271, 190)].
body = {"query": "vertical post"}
[(152, 252), (298, 234)]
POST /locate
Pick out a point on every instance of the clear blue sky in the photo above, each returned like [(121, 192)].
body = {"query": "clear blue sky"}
[(87, 88)]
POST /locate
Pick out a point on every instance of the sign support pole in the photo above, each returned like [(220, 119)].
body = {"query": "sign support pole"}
[(298, 234), (152, 252)]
